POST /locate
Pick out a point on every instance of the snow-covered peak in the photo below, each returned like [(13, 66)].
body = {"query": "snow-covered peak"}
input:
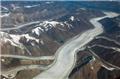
[(14, 39), (5, 37), (72, 18), (45, 26), (37, 30), (53, 23)]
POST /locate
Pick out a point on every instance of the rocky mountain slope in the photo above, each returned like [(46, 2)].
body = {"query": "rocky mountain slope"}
[(40, 28)]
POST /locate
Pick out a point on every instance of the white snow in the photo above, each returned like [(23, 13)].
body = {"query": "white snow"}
[(3, 60), (11, 42), (30, 6), (4, 15), (37, 30), (3, 34), (53, 23), (68, 25), (33, 44), (82, 8), (5, 37), (72, 18), (14, 39), (49, 2), (42, 42), (47, 25), (29, 37)]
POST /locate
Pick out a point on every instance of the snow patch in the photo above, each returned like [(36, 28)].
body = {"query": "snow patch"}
[(38, 30), (31, 6), (82, 8), (53, 23), (14, 39), (72, 18), (42, 42), (68, 25), (33, 44), (3, 60), (29, 37), (48, 2)]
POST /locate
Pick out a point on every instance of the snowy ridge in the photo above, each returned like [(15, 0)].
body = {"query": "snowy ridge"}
[(37, 30), (68, 25), (45, 26), (14, 39), (52, 23), (41, 27), (5, 37)]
